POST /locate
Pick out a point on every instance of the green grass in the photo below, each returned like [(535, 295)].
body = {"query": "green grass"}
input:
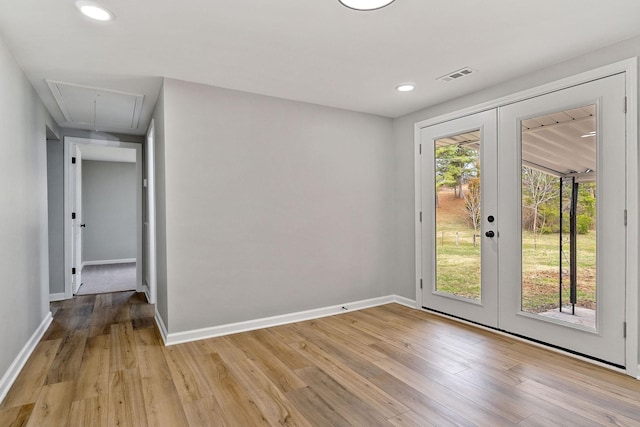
[(458, 267)]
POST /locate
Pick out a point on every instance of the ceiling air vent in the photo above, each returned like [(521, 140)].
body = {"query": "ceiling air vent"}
[(458, 74)]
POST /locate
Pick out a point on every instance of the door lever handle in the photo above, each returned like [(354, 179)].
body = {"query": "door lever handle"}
[(83, 225), (490, 234)]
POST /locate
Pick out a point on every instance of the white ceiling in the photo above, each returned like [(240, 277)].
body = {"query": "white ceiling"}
[(308, 50)]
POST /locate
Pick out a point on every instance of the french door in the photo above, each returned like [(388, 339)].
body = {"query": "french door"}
[(524, 218), (459, 224)]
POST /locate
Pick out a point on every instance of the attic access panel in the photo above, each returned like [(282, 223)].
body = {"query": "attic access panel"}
[(97, 107)]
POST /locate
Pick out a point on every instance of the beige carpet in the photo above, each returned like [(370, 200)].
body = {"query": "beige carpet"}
[(100, 279)]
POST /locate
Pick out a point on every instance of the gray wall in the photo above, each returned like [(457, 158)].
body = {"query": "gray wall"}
[(24, 261), (162, 298), (272, 206), (55, 188), (403, 135), (108, 210)]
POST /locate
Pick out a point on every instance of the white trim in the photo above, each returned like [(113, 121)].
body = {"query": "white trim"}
[(151, 285), (109, 261), (57, 297), (162, 328), (267, 322), (530, 342), (633, 206), (627, 65), (417, 209), (69, 142), (404, 301), (21, 359)]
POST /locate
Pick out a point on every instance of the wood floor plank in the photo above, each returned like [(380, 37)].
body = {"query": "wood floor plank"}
[(206, 412), (16, 416), (443, 395), (384, 403), (52, 406), (576, 405), (126, 399), (123, 352), (315, 409), (411, 419), (92, 411), (161, 400), (270, 400), (347, 404), (234, 400), (28, 385), (279, 373), (185, 365), (102, 362), (421, 406), (93, 373), (101, 320), (224, 347), (282, 351), (359, 359)]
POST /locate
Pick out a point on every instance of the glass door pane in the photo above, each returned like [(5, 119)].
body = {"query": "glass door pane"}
[(458, 215), (559, 215)]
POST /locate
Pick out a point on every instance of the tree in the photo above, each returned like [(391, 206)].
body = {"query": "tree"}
[(538, 188), (454, 165), (472, 203)]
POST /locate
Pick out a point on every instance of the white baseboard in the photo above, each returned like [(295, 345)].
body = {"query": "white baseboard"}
[(57, 297), (267, 322), (161, 327), (109, 261), (10, 376), (411, 303)]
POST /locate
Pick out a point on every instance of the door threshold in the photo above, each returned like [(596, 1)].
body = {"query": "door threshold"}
[(556, 349)]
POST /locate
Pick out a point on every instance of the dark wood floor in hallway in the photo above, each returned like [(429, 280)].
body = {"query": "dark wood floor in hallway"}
[(102, 363)]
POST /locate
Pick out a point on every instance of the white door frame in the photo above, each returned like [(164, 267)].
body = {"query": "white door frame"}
[(149, 150), (69, 143), (630, 68)]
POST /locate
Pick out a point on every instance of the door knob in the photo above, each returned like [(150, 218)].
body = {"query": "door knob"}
[(490, 233)]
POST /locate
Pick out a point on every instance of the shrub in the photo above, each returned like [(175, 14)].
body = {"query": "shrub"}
[(583, 223)]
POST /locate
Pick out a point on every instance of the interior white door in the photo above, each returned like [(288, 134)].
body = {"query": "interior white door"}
[(76, 223), (576, 137), (150, 217), (458, 181)]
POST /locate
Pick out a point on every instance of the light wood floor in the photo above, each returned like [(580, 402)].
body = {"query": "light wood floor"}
[(101, 363)]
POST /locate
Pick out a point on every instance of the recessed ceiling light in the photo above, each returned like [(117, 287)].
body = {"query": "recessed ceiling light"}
[(366, 4), (94, 11), (406, 87)]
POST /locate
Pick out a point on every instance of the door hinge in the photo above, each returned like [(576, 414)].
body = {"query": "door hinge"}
[(420, 149), (421, 216), (624, 329), (625, 217), (73, 215), (73, 270), (420, 283), (625, 105), (73, 160)]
